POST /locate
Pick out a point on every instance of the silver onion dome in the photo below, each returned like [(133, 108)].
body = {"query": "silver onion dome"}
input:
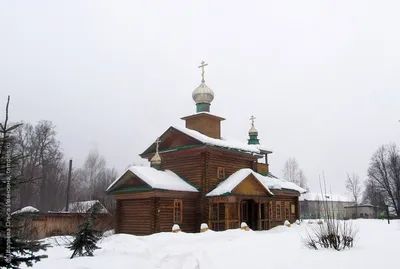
[(203, 94), (253, 130)]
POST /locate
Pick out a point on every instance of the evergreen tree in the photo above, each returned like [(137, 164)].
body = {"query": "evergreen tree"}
[(84, 243), (13, 249)]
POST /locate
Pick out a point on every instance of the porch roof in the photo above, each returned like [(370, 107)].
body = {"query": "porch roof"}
[(269, 182), (156, 179)]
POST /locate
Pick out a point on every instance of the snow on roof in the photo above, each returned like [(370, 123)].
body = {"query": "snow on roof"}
[(165, 180), (235, 179), (268, 182), (275, 183), (26, 209), (203, 112), (84, 207), (315, 196), (225, 143)]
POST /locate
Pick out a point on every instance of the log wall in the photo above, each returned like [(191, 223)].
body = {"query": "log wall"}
[(136, 216), (230, 161), (190, 215), (189, 167)]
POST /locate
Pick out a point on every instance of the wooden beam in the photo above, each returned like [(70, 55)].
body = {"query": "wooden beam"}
[(226, 216), (259, 216), (269, 214), (209, 214), (238, 211)]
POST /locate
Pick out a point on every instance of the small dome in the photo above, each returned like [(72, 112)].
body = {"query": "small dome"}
[(203, 94), (156, 159), (253, 130)]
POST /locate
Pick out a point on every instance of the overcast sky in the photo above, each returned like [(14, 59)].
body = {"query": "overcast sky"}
[(322, 77)]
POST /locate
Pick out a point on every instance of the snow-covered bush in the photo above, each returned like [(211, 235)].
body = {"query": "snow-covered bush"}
[(287, 223), (297, 222), (176, 228)]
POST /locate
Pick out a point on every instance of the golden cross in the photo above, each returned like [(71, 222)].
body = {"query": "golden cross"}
[(252, 118), (203, 64), (157, 142)]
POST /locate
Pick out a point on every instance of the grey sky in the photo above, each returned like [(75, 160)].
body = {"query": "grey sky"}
[(322, 77)]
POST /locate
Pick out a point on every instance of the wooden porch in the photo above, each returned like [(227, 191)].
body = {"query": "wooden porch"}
[(229, 212), (259, 212)]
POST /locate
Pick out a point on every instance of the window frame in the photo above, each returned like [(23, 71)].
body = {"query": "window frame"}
[(178, 207), (278, 210), (221, 173), (287, 211)]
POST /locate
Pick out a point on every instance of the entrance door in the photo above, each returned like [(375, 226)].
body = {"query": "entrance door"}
[(249, 213)]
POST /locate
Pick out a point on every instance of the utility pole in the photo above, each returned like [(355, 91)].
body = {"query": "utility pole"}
[(69, 183)]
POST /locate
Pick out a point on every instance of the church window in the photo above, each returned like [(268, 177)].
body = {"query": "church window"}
[(214, 212), (270, 210), (178, 211), (278, 211), (221, 173), (293, 208), (287, 210)]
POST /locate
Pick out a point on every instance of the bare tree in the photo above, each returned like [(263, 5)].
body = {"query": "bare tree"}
[(43, 162), (292, 173), (353, 186), (373, 194), (384, 170), (93, 178), (303, 180)]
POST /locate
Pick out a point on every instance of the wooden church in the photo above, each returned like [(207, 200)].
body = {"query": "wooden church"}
[(196, 176)]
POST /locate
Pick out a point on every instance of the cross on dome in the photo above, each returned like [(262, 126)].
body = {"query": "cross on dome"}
[(158, 141), (203, 64), (252, 118)]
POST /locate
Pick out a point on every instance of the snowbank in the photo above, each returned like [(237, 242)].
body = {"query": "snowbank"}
[(26, 209), (280, 247)]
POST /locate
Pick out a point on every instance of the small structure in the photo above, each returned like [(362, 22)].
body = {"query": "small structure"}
[(244, 226), (203, 227), (176, 228), (365, 211), (38, 225), (85, 207), (312, 205)]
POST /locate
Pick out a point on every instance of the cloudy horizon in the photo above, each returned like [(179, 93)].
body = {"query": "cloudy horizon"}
[(321, 77)]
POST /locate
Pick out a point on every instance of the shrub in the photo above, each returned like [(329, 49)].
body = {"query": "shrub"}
[(333, 233)]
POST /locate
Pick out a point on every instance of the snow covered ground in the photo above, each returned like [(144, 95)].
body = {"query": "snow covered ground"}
[(281, 247)]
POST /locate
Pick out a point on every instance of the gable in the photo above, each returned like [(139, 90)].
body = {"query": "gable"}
[(171, 139), (130, 181), (250, 186)]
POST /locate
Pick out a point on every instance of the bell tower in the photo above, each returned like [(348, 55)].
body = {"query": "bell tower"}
[(203, 121)]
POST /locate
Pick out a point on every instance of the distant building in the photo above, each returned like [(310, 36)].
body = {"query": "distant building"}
[(84, 207), (365, 211), (312, 205), (38, 225)]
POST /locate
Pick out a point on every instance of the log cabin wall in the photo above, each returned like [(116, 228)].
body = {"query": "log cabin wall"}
[(190, 215), (136, 216), (230, 161), (205, 124), (187, 164), (283, 206)]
